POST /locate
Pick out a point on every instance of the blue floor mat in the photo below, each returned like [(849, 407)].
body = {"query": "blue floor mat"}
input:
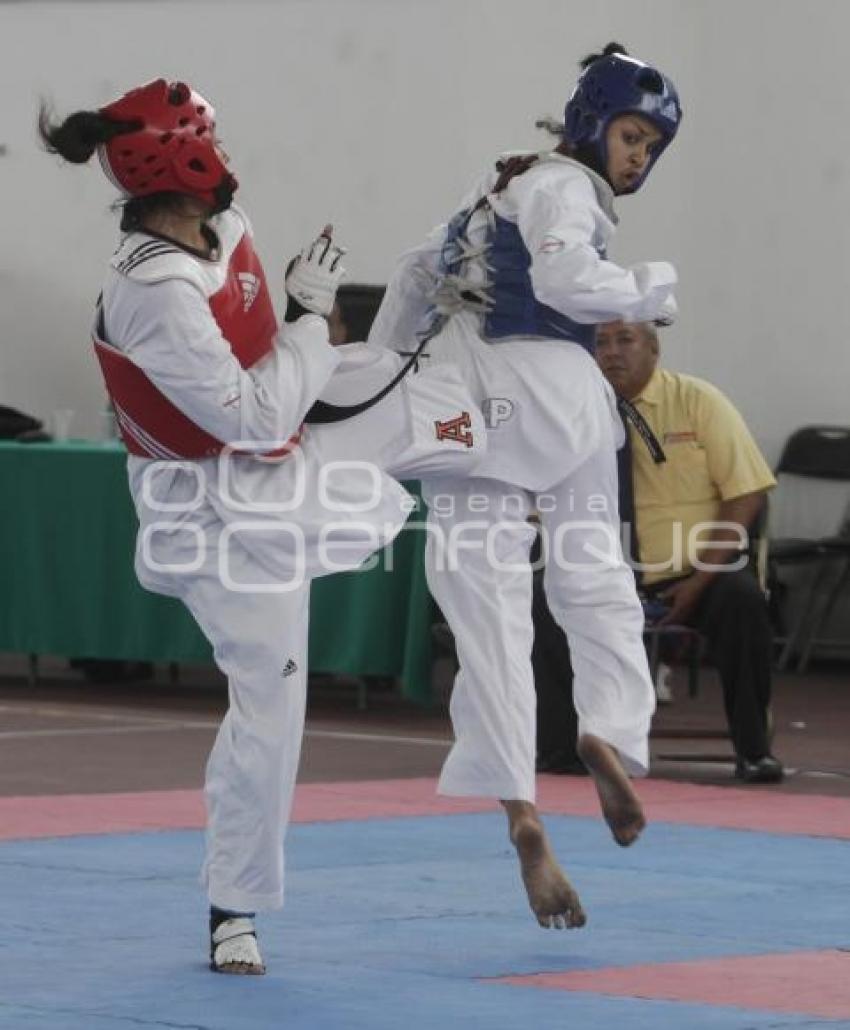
[(402, 924)]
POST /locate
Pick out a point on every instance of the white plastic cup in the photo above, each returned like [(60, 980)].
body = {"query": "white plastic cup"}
[(60, 424), (108, 427)]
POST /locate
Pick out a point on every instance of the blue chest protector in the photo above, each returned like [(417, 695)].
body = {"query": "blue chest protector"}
[(510, 309)]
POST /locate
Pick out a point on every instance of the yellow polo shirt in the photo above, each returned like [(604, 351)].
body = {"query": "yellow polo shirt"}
[(711, 457)]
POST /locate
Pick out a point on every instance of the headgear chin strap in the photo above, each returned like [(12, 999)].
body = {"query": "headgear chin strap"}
[(612, 86), (173, 148)]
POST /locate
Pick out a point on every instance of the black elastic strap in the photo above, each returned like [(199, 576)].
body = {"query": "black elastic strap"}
[(322, 413), (630, 412), (221, 915)]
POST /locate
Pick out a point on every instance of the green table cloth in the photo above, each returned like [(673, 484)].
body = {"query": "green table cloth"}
[(67, 537)]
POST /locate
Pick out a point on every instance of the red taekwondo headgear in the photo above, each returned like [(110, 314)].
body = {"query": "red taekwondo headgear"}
[(172, 149)]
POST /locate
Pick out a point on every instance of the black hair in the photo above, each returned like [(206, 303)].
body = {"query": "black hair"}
[(135, 210), (611, 48), (78, 136)]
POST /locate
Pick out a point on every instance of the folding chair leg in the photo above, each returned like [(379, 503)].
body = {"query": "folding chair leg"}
[(823, 619), (799, 633), (693, 668)]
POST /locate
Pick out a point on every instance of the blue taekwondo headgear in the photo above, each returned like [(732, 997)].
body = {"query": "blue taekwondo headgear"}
[(612, 86)]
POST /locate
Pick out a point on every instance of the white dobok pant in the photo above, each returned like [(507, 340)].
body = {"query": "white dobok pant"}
[(260, 644), (478, 570)]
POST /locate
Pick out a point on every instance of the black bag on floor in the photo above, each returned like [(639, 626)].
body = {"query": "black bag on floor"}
[(13, 423)]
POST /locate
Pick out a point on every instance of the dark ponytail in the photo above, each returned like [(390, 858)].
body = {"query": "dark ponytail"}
[(612, 48), (77, 137)]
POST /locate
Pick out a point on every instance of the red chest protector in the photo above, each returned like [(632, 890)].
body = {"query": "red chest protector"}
[(151, 426)]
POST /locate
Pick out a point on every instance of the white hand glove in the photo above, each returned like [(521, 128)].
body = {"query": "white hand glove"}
[(668, 312), (316, 274)]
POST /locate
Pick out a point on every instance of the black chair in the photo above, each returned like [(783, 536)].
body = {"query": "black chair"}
[(359, 303), (815, 461)]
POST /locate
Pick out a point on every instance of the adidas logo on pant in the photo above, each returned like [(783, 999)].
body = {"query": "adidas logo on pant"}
[(289, 668)]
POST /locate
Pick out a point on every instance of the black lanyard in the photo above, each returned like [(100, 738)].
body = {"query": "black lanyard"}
[(628, 412)]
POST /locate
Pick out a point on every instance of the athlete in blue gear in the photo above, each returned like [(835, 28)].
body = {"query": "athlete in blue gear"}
[(513, 287)]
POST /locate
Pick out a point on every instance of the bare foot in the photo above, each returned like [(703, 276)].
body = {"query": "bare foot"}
[(550, 894), (620, 804)]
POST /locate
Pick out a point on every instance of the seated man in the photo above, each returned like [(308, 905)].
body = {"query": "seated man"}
[(692, 514)]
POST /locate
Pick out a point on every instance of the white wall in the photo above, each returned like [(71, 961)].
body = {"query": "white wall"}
[(376, 114)]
